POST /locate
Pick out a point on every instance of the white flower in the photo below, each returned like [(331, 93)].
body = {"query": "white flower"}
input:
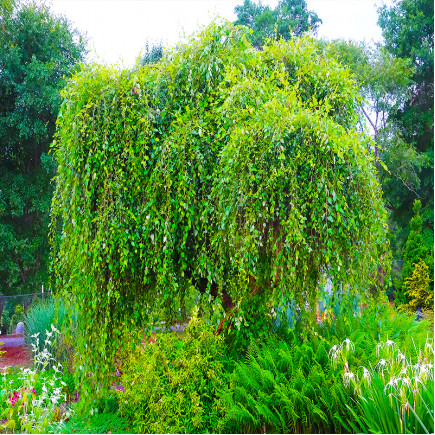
[(348, 377), (406, 381), (391, 384), (334, 354), (389, 344), (367, 376), (381, 365), (348, 345), (428, 346), (401, 357)]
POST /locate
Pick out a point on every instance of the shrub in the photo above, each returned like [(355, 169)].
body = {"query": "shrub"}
[(18, 316), (415, 249), (418, 285), (172, 383), (104, 422), (5, 320)]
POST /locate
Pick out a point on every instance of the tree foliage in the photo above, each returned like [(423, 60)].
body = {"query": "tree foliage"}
[(418, 287), (152, 53), (37, 51), (290, 17), (385, 81), (240, 172), (408, 30)]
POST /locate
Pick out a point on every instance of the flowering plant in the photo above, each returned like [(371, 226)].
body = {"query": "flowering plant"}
[(397, 395), (30, 407)]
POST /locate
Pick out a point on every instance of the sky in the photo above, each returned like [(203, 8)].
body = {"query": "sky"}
[(118, 29)]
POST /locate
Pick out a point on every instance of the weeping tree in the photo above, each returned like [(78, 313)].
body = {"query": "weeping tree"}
[(236, 171)]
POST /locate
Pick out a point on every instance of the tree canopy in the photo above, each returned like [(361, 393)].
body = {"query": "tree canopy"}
[(238, 171), (408, 30), (37, 53), (290, 17)]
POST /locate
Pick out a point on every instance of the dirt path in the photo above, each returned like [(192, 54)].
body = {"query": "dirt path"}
[(17, 353)]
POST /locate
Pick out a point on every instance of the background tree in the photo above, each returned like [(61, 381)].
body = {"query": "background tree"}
[(415, 252), (408, 30), (385, 82), (38, 51), (153, 52), (289, 17)]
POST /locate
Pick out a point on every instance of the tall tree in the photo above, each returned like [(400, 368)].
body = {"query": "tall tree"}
[(238, 171), (38, 51), (408, 30), (289, 17)]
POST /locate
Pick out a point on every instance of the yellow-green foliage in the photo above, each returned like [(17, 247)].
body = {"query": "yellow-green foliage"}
[(171, 384), (418, 285)]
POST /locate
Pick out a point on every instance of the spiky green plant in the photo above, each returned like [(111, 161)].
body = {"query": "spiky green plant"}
[(40, 317), (397, 395)]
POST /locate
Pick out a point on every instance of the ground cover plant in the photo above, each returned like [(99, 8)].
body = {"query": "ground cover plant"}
[(237, 171)]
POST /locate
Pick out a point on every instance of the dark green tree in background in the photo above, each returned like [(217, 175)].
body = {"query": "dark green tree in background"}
[(289, 17), (153, 53), (38, 51), (408, 30)]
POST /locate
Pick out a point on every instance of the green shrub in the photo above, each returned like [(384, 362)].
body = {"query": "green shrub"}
[(5, 319), (415, 249), (418, 285), (105, 422), (171, 384), (18, 316)]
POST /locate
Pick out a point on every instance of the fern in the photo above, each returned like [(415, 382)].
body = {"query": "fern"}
[(282, 385)]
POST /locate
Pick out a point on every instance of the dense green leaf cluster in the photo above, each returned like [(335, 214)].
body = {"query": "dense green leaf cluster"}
[(289, 18), (171, 382), (235, 170)]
